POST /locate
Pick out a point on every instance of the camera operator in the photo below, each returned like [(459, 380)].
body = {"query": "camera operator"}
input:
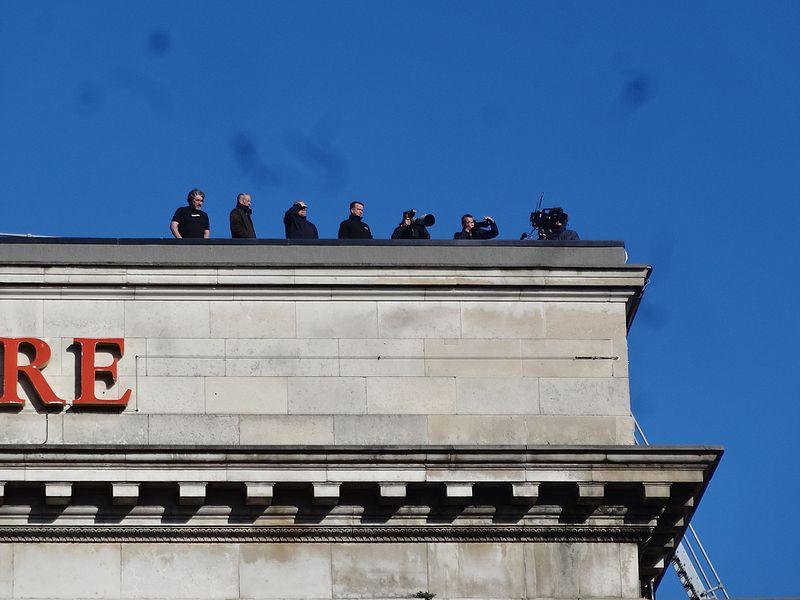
[(413, 229), (481, 230), (552, 225)]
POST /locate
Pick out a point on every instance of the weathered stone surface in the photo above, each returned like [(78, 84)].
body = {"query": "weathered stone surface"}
[(179, 571), (285, 571), (497, 396), (419, 320), (411, 395), (380, 429), (6, 570), (170, 395), (92, 318), (476, 570), (584, 396), (246, 395), (475, 429), (333, 319), (194, 429), (494, 320), (327, 395), (67, 566), (22, 318), (379, 570), (94, 428), (294, 429), (170, 319), (248, 319)]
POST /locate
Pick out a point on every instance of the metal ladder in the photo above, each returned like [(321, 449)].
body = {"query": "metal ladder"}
[(691, 561)]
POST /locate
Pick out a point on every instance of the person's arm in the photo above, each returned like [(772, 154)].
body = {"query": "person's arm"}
[(492, 233), (207, 230), (173, 227), (343, 230)]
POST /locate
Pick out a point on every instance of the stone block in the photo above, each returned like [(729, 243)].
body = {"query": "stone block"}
[(467, 570), (25, 428), (6, 570), (126, 494), (411, 395), (282, 429), (336, 319), (576, 430), (167, 319), (474, 429), (419, 320), (259, 493), (381, 358), (568, 358), (167, 571), (248, 319), (93, 428), (327, 395), (191, 493), (378, 570), (584, 396), (246, 395), (380, 429), (598, 570), (585, 320), (282, 358), (22, 318), (502, 319), (73, 570), (497, 396), (326, 493), (83, 318), (629, 570), (285, 571), (184, 358), (194, 429), (170, 395), (550, 570), (488, 358)]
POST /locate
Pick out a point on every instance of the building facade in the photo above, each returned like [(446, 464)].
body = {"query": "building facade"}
[(325, 420)]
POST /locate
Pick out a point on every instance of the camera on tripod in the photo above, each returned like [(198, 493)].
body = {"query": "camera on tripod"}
[(549, 219)]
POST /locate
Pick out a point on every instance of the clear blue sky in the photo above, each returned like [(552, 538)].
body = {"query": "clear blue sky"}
[(674, 126)]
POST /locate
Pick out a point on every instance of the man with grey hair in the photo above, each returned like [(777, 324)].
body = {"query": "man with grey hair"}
[(241, 219), (190, 221)]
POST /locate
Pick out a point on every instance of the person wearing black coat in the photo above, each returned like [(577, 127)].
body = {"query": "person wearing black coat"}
[(241, 219), (298, 227), (470, 230), (354, 228)]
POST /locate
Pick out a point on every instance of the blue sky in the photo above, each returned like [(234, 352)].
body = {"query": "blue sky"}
[(673, 126)]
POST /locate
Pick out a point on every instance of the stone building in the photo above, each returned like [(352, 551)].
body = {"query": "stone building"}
[(283, 420)]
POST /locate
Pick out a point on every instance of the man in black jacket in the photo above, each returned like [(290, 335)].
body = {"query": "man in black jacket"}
[(354, 228), (241, 220), (470, 230), (298, 227)]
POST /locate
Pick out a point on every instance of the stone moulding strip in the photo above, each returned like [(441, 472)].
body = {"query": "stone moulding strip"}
[(306, 534)]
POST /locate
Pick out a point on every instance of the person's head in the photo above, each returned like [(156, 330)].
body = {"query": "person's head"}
[(468, 222), (196, 198), (243, 199), (357, 208), (302, 208)]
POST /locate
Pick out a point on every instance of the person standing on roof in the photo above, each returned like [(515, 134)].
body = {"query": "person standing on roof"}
[(241, 218), (190, 221), (298, 227)]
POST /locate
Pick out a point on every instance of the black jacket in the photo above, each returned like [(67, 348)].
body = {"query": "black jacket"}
[(242, 222), (414, 231), (298, 227), (354, 229), (479, 232)]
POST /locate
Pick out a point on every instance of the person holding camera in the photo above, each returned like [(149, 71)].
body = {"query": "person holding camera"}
[(413, 229), (298, 227), (480, 230)]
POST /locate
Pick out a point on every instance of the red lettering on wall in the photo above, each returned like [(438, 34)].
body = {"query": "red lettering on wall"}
[(91, 372), (12, 371)]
